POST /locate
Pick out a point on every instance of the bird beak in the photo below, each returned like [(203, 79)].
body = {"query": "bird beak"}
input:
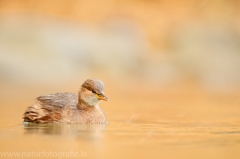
[(102, 97)]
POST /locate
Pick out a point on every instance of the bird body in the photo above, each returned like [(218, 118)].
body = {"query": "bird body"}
[(81, 108)]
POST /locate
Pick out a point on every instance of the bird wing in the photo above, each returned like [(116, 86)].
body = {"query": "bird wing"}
[(48, 108), (60, 100)]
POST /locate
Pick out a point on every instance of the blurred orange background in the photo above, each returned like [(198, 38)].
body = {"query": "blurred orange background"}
[(160, 60)]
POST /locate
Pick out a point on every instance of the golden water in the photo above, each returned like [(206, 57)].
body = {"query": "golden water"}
[(142, 124)]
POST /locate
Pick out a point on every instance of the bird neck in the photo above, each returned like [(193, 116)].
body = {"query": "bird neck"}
[(82, 105)]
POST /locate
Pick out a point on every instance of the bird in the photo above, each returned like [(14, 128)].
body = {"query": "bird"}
[(81, 108)]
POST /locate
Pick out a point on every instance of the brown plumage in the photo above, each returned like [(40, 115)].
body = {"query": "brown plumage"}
[(70, 107)]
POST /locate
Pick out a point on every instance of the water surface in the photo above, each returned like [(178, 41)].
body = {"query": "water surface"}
[(161, 125)]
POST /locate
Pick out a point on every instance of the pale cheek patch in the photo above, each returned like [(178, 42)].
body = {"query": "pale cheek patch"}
[(92, 100)]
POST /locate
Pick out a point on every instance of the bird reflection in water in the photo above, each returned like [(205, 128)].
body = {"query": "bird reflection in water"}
[(84, 131)]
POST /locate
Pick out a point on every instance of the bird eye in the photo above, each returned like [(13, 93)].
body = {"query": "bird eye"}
[(94, 91)]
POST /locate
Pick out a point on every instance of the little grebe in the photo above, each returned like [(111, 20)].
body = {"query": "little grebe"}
[(70, 107)]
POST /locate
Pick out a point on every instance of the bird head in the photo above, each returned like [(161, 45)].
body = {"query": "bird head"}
[(92, 92)]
